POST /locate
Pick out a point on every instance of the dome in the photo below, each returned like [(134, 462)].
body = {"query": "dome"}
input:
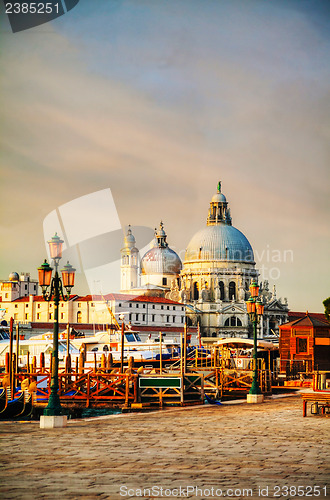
[(129, 240), (14, 276), (219, 242), (219, 198), (161, 260)]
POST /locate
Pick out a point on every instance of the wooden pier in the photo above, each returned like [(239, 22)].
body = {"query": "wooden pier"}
[(131, 390)]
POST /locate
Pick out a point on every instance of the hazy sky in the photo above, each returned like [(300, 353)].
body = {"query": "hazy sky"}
[(158, 101)]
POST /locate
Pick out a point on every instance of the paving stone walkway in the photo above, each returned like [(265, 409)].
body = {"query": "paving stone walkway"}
[(241, 451)]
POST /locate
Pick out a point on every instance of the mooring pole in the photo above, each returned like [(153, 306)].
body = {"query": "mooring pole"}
[(67, 339), (17, 347), (185, 348), (11, 375), (122, 347), (160, 352)]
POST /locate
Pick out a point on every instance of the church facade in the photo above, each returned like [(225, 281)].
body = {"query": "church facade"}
[(213, 281)]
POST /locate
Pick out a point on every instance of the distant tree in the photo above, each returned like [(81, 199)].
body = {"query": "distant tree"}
[(326, 304)]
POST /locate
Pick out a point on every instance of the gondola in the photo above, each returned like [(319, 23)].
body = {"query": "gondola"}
[(17, 407)]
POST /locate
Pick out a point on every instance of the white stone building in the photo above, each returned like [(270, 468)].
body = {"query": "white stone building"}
[(214, 279)]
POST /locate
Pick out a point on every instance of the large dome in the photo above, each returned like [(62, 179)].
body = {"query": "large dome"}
[(219, 242), (160, 260)]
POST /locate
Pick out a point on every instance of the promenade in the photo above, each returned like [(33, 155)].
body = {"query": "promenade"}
[(239, 450)]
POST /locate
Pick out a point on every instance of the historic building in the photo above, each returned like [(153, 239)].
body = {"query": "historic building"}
[(157, 271), (209, 288), (16, 286), (214, 279), (147, 313)]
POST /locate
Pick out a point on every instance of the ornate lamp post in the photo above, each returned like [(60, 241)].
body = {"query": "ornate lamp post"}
[(55, 293), (255, 310)]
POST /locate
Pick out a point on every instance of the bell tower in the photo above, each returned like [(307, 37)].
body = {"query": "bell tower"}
[(129, 266)]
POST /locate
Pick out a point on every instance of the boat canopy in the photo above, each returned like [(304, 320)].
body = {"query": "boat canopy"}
[(236, 342)]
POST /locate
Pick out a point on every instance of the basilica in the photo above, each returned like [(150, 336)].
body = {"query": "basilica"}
[(212, 282)]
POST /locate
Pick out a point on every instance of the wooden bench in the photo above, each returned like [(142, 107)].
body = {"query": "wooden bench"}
[(321, 399)]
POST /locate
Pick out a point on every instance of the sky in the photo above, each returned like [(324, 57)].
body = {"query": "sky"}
[(158, 101)]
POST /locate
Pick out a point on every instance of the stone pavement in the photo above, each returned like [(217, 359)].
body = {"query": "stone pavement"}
[(246, 451)]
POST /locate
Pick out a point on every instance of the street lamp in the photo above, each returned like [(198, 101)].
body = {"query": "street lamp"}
[(255, 310), (55, 293)]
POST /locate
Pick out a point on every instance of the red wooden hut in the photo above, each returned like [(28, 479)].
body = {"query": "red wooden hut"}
[(305, 345)]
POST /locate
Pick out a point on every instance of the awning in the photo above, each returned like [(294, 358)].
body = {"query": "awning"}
[(247, 343)]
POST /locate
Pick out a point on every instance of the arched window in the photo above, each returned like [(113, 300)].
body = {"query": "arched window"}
[(196, 291), (125, 260), (232, 290), (79, 317), (222, 290), (233, 321)]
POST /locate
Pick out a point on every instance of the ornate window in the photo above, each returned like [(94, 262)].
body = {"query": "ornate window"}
[(195, 292), (232, 290), (222, 290)]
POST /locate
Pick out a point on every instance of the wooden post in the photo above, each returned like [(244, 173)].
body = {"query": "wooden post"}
[(28, 362), (160, 352), (13, 385), (17, 347), (11, 375), (67, 339), (181, 354), (77, 364), (135, 389), (68, 363), (7, 363), (182, 370), (122, 347), (127, 390), (95, 363), (109, 361), (185, 348), (81, 362), (42, 361), (103, 362), (88, 390)]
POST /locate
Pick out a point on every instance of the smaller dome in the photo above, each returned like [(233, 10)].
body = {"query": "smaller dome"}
[(129, 240), (160, 260), (14, 276), (219, 198)]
